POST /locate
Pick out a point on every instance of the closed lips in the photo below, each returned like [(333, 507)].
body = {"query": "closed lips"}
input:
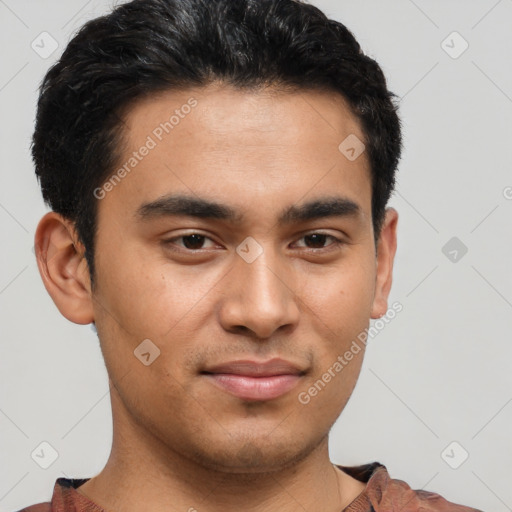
[(256, 369), (255, 381)]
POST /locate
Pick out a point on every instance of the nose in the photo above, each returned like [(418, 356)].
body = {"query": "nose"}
[(259, 298)]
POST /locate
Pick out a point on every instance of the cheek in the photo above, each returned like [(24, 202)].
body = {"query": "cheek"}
[(330, 389), (339, 309), (149, 295), (343, 296)]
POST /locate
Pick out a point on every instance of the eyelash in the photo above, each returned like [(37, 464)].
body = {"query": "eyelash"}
[(335, 245)]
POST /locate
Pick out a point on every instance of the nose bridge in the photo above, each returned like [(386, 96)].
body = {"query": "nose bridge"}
[(263, 280), (260, 297)]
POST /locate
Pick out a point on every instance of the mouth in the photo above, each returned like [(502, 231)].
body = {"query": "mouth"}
[(255, 380)]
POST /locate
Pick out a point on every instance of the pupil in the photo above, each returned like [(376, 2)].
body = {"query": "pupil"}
[(199, 239), (320, 239)]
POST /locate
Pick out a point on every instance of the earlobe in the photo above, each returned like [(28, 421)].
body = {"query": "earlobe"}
[(63, 268), (386, 250)]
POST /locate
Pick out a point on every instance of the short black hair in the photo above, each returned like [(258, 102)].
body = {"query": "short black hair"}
[(147, 46)]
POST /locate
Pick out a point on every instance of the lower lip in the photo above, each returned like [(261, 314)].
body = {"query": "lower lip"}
[(255, 388)]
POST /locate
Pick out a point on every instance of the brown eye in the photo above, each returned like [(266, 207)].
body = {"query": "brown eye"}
[(192, 242), (318, 240)]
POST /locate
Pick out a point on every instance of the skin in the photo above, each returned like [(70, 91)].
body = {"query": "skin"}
[(179, 441)]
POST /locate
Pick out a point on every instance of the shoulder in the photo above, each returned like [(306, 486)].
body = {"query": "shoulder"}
[(40, 507), (386, 494), (64, 498)]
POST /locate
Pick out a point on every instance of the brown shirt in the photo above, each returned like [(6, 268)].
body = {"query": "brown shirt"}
[(382, 494)]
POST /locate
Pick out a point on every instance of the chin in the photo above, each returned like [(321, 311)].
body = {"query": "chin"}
[(248, 456)]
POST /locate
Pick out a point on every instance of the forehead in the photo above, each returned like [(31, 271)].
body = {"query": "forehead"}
[(220, 109), (245, 146)]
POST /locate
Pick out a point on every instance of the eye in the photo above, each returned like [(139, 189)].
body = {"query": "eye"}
[(319, 239), (194, 242), (191, 242)]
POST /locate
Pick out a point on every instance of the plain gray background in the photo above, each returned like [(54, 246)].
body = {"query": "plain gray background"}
[(439, 373)]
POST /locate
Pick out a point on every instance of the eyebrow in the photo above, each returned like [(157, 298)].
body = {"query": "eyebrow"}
[(190, 206)]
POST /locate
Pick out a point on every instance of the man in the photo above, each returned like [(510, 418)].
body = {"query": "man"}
[(218, 173)]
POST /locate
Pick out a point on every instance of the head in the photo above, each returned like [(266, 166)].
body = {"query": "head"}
[(218, 174)]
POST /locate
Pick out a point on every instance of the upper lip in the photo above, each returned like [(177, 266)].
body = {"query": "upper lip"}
[(250, 368)]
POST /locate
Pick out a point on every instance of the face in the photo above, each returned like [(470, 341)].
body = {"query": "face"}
[(240, 244)]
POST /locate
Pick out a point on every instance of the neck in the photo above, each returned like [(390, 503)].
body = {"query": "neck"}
[(143, 473)]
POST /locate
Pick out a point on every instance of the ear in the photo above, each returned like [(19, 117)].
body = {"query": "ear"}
[(386, 249), (63, 267)]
